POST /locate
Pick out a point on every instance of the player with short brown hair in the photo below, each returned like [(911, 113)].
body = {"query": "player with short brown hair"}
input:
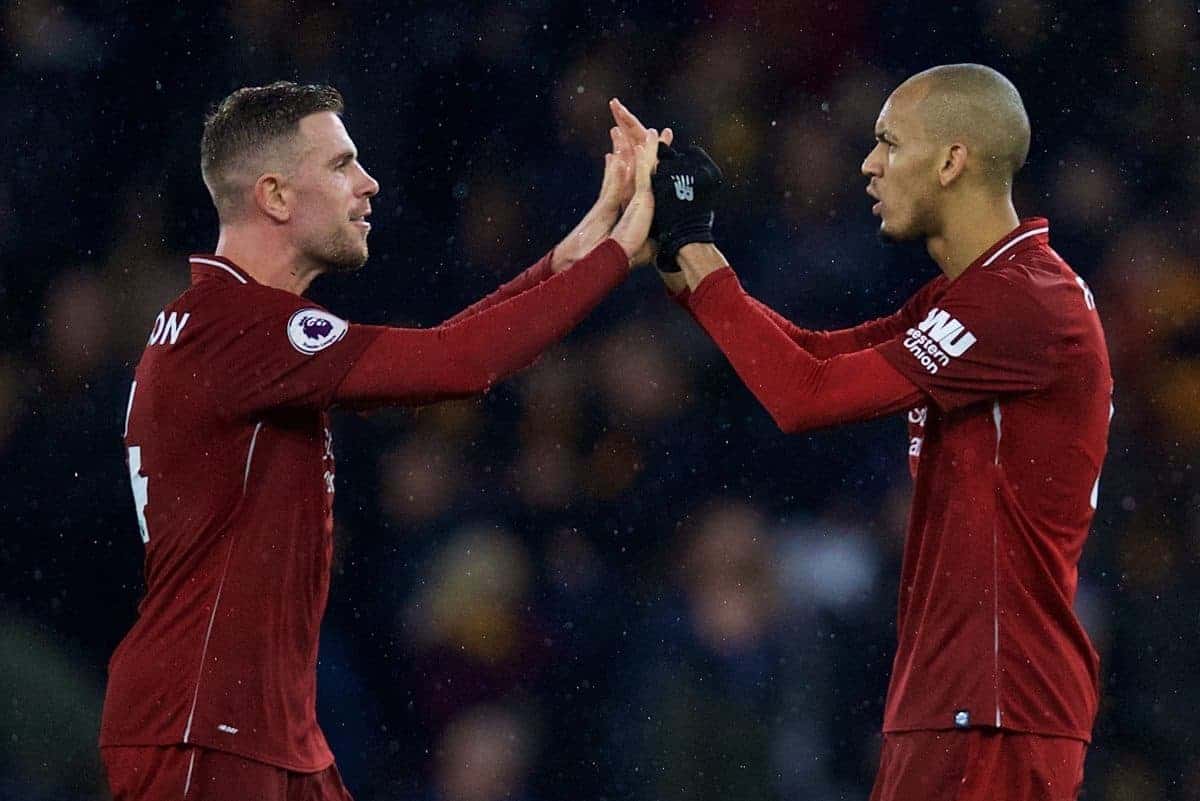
[(212, 693)]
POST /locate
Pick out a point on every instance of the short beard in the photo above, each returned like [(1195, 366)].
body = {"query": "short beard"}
[(922, 226), (339, 255)]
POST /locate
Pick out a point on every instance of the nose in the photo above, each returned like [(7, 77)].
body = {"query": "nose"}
[(372, 186), (872, 166), (868, 166)]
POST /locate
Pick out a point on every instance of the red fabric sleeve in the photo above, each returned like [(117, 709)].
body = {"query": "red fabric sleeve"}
[(825, 344), (988, 335), (458, 359), (799, 391), (536, 273)]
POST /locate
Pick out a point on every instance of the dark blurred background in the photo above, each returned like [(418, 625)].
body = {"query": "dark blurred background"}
[(612, 578)]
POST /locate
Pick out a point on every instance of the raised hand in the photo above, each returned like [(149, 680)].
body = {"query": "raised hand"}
[(633, 229), (616, 189), (628, 131)]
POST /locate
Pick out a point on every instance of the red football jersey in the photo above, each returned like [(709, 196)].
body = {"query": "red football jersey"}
[(1005, 378), (236, 377), (1006, 462), (232, 467)]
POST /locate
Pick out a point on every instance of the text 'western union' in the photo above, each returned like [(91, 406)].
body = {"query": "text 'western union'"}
[(938, 339)]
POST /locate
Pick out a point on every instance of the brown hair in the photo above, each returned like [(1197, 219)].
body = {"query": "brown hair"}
[(241, 130)]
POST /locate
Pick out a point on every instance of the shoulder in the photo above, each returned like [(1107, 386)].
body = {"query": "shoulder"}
[(1020, 281), (1030, 296), (264, 314)]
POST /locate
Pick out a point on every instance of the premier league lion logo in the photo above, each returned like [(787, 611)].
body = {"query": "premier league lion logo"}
[(315, 327), (312, 330)]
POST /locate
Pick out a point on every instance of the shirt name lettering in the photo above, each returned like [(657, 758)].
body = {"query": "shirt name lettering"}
[(168, 328)]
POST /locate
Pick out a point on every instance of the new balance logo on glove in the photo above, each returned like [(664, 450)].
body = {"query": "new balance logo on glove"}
[(683, 187)]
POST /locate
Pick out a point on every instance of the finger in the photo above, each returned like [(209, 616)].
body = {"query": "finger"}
[(647, 158), (626, 120), (620, 142), (668, 135)]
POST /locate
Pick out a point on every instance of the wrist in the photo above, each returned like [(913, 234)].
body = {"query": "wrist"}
[(604, 214), (593, 229), (698, 260), (674, 281)]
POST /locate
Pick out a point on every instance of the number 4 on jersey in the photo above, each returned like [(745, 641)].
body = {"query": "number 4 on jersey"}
[(140, 483)]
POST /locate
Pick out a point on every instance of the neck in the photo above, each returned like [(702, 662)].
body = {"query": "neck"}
[(969, 230), (267, 257)]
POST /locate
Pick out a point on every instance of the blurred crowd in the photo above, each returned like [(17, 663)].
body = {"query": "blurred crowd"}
[(612, 577)]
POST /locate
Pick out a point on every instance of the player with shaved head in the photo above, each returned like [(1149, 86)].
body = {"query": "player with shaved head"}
[(1001, 369)]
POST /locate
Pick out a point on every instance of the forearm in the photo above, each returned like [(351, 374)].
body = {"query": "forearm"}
[(697, 261), (593, 229), (413, 366), (821, 344), (799, 391)]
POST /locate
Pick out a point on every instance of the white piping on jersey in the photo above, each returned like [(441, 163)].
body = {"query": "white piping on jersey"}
[(187, 730), (129, 408), (1015, 240), (1096, 487), (211, 263), (187, 784), (249, 456), (996, 418)]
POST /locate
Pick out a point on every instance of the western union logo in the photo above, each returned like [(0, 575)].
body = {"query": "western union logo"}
[(938, 339)]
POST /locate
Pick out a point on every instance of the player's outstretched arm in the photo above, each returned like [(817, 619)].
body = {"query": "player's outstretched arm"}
[(467, 357), (822, 344), (799, 390), (616, 190)]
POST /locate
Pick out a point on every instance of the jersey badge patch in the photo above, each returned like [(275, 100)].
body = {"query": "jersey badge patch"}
[(937, 340), (313, 330)]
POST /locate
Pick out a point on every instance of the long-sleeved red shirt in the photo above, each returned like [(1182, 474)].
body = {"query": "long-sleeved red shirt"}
[(1005, 376), (231, 462)]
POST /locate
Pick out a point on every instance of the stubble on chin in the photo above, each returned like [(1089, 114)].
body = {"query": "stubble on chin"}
[(919, 226), (342, 254)]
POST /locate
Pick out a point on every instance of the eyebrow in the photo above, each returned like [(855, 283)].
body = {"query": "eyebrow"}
[(883, 134)]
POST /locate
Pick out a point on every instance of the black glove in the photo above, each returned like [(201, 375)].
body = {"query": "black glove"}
[(686, 185)]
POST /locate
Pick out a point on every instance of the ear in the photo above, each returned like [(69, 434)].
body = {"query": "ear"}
[(272, 198), (954, 164)]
